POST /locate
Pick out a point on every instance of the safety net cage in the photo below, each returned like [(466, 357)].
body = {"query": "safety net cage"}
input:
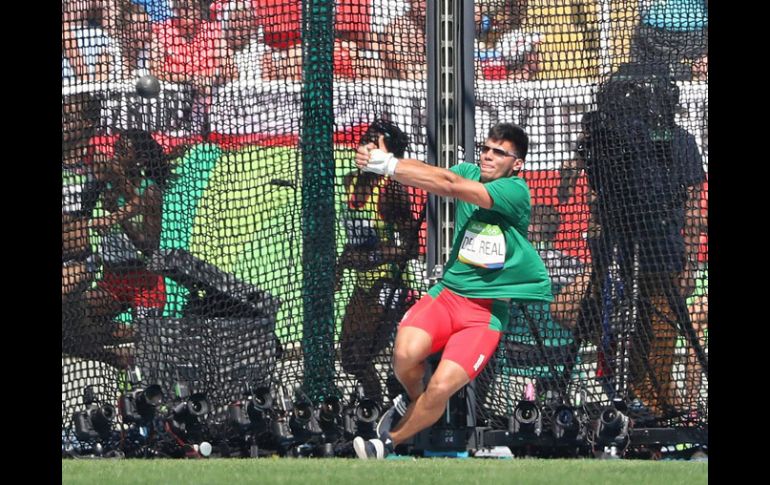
[(229, 276), (613, 95)]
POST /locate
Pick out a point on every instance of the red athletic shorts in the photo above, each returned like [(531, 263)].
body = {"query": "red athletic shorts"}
[(468, 329), (136, 287)]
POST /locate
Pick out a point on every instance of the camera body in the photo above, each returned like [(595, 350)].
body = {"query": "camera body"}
[(95, 422), (139, 406), (638, 96)]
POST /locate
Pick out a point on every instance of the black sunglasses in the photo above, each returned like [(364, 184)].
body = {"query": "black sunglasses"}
[(497, 151)]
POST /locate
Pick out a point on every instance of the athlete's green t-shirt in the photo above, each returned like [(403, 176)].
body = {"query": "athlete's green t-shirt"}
[(491, 256)]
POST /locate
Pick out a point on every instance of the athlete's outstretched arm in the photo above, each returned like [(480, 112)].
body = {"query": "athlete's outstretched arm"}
[(435, 180)]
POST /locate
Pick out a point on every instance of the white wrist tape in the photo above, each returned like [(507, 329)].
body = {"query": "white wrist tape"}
[(382, 163)]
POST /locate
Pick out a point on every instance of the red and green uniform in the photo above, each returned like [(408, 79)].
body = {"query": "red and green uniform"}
[(491, 262)]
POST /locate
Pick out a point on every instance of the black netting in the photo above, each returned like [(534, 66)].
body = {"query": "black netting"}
[(614, 96), (218, 240)]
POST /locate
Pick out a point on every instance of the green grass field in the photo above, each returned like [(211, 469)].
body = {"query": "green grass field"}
[(343, 471)]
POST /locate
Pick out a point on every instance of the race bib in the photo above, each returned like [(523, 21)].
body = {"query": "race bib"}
[(483, 245)]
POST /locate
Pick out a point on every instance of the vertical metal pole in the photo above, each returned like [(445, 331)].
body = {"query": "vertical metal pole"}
[(465, 61), (451, 108), (433, 249)]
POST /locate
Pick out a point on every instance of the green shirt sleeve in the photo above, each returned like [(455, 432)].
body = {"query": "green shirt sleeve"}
[(464, 169), (510, 199)]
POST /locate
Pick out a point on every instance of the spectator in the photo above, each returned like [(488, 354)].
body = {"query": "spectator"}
[(647, 173), (369, 38), (404, 56), (245, 38), (130, 229), (156, 10), (568, 276), (97, 55), (136, 38), (377, 38), (503, 49), (80, 191), (268, 35), (79, 17), (190, 49), (85, 178), (382, 239), (698, 307), (695, 284)]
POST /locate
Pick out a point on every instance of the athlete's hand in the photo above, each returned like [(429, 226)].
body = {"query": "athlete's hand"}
[(376, 159)]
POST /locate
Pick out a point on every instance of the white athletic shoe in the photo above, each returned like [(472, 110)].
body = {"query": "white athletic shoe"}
[(366, 449)]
